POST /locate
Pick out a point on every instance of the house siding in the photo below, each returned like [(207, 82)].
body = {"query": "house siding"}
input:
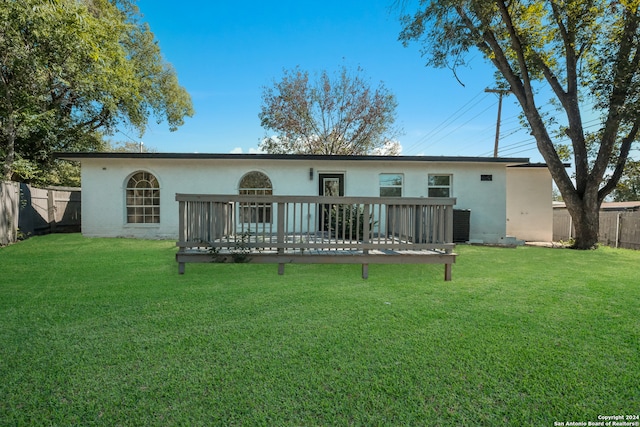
[(530, 204), (104, 181)]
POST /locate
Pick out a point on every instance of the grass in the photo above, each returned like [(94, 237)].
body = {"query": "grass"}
[(105, 332)]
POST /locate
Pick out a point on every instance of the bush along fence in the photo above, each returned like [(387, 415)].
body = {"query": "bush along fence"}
[(619, 229), (27, 211)]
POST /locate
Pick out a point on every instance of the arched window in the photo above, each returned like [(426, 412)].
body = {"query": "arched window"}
[(143, 199), (255, 183)]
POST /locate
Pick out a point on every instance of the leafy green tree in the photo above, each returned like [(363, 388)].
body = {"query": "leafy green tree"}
[(72, 71), (131, 147), (582, 52), (628, 188), (67, 173), (340, 114)]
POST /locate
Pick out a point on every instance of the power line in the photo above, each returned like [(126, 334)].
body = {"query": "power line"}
[(461, 125), (531, 141), (522, 151), (140, 143), (447, 127), (445, 123), (448, 121), (131, 139), (459, 113)]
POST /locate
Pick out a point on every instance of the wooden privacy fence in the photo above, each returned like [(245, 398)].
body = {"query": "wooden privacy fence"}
[(618, 229), (315, 229), (27, 210), (50, 210)]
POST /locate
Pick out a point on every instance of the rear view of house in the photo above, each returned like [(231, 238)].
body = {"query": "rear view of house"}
[(133, 194)]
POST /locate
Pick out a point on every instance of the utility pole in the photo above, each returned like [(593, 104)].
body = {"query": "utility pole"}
[(501, 93)]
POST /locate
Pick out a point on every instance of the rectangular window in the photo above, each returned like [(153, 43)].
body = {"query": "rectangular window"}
[(439, 185), (391, 185)]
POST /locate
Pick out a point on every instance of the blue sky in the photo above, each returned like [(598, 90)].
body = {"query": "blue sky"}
[(225, 52)]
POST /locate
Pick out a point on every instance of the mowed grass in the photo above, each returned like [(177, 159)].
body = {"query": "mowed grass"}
[(105, 332)]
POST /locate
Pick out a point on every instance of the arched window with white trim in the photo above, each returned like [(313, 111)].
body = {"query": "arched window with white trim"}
[(255, 183), (143, 199)]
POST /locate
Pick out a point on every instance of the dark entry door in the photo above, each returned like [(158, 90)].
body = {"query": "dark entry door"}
[(330, 185)]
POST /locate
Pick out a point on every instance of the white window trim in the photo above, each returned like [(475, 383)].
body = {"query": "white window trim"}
[(401, 186), (128, 224), (449, 187)]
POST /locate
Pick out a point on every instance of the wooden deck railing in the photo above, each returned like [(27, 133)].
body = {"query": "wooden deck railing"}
[(306, 225)]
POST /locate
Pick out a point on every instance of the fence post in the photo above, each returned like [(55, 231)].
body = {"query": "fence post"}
[(51, 210), (617, 229)]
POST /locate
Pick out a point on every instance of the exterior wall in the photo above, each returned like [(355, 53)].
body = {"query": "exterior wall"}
[(485, 199), (104, 182), (529, 204)]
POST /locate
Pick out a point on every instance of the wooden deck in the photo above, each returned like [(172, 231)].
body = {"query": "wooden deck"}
[(328, 230)]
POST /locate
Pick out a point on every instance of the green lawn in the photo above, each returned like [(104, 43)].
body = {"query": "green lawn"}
[(105, 332)]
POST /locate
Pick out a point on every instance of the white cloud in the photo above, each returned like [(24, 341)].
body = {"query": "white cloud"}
[(239, 150)]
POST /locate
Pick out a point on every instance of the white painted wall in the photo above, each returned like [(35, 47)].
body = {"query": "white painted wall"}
[(529, 204), (104, 181)]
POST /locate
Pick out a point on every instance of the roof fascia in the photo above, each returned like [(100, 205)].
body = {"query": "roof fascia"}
[(294, 157)]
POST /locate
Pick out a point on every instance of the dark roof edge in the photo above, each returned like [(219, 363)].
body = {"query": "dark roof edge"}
[(201, 156), (537, 165)]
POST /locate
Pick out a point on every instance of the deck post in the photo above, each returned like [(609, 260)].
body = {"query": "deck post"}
[(182, 221), (366, 230), (416, 233), (447, 272), (280, 232), (365, 271), (449, 231)]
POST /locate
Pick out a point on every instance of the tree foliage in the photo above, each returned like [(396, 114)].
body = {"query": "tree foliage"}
[(582, 52), (72, 71), (340, 114), (628, 188)]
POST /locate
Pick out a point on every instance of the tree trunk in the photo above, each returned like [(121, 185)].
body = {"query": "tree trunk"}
[(586, 227), (585, 213)]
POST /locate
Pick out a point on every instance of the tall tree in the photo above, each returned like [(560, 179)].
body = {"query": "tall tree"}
[(340, 114), (74, 70), (583, 52)]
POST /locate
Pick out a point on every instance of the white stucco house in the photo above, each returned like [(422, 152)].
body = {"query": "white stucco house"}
[(133, 194)]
